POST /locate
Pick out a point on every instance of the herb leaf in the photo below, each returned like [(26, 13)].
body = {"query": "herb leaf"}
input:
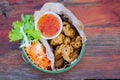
[(15, 35), (24, 30)]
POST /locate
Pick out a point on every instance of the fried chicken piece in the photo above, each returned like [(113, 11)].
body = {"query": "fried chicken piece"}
[(59, 63), (77, 51), (76, 43), (78, 38), (67, 30), (75, 54), (64, 51), (67, 40), (58, 40), (67, 53), (58, 54)]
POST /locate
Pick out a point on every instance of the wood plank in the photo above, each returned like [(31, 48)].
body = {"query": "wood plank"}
[(108, 15), (97, 14), (17, 2), (102, 27)]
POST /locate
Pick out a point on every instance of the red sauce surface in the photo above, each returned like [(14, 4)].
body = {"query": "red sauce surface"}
[(49, 25)]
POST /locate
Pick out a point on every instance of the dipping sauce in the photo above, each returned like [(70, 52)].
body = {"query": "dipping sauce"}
[(49, 25)]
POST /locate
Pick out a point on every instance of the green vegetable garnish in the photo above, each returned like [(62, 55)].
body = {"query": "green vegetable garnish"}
[(24, 30)]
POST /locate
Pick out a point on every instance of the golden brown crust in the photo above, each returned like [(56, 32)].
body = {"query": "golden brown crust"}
[(67, 30), (76, 43), (66, 46), (67, 40), (67, 51), (59, 63), (58, 40)]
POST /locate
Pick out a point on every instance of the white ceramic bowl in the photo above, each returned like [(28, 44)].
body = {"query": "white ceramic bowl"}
[(60, 20)]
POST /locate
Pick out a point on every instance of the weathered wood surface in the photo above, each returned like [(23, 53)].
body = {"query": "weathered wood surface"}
[(102, 27)]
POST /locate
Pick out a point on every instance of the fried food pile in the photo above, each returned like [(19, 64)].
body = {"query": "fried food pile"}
[(66, 47)]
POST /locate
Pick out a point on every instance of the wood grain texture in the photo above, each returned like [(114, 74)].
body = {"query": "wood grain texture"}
[(102, 27)]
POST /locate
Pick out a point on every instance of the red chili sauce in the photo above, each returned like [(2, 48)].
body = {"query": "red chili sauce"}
[(49, 25)]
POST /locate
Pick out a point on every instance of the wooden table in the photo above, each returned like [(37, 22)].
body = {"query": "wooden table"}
[(102, 27)]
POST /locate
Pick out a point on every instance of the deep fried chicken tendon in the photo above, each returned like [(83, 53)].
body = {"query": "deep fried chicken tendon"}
[(75, 54), (58, 40), (67, 53), (59, 63), (77, 43), (57, 53), (67, 40), (67, 30), (66, 46)]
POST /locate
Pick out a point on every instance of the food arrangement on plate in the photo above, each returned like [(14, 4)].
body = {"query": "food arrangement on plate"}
[(52, 38)]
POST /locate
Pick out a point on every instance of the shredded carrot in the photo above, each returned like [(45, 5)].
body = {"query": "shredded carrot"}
[(37, 53)]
